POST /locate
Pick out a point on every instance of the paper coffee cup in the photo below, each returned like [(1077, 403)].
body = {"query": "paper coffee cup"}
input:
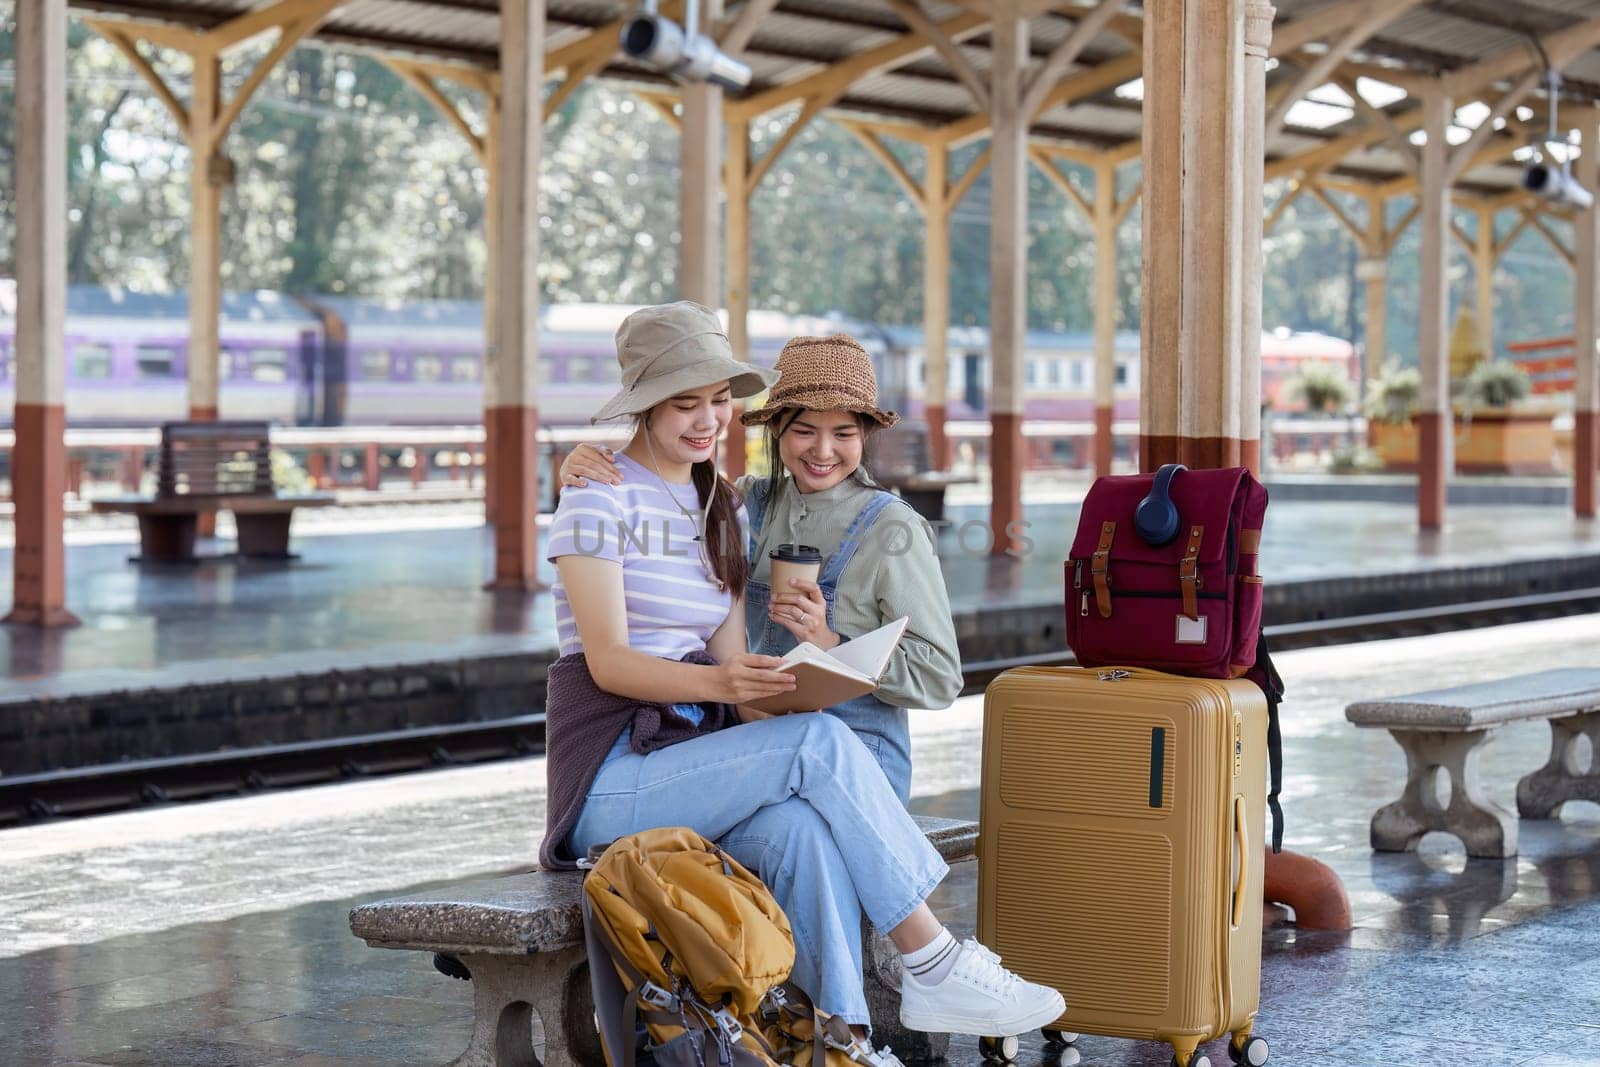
[(794, 561)]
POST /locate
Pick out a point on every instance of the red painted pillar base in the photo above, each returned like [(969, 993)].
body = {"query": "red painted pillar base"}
[(207, 525), (1207, 453), (1585, 462), (516, 486), (1308, 886), (1432, 479), (1250, 455), (1006, 458), (1104, 447), (938, 443), (38, 482)]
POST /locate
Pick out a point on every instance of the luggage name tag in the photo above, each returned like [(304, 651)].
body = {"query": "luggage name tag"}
[(1190, 631)]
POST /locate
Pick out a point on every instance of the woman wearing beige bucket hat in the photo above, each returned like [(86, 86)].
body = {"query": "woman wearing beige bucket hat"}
[(878, 563), (645, 723)]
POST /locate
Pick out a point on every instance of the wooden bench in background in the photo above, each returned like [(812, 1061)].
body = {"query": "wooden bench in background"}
[(521, 936), (206, 467), (902, 461), (1441, 731)]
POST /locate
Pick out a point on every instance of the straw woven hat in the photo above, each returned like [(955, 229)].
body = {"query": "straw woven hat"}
[(670, 349), (823, 374)]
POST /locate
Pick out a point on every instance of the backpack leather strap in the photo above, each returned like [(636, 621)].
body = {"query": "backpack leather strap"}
[(1189, 572), (1100, 568)]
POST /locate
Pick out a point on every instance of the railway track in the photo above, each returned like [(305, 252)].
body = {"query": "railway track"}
[(95, 790)]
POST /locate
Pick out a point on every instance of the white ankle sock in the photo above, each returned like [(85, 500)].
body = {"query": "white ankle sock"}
[(930, 964)]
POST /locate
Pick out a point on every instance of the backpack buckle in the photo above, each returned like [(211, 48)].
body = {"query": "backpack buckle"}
[(730, 1026), (657, 997)]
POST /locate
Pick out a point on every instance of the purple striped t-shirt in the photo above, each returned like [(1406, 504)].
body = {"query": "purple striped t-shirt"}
[(673, 604)]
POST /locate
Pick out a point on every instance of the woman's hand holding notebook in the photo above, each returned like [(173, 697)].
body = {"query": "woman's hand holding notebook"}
[(823, 679)]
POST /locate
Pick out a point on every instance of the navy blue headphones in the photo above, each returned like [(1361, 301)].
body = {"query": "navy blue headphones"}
[(1156, 517)]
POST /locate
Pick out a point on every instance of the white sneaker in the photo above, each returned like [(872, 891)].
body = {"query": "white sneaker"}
[(979, 997), (860, 1051)]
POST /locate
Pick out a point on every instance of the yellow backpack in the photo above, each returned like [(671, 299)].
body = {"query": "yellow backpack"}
[(701, 953)]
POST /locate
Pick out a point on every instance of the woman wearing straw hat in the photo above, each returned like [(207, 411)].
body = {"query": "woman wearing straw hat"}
[(645, 724), (879, 564)]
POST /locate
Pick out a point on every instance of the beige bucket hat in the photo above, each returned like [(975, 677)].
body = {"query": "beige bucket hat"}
[(670, 349), (824, 374)]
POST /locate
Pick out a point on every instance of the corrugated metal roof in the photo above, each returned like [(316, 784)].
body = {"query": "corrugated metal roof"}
[(801, 37)]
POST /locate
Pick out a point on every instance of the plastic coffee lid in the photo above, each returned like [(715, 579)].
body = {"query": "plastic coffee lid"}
[(796, 553)]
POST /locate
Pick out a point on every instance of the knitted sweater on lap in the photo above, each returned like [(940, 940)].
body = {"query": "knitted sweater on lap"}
[(582, 722)]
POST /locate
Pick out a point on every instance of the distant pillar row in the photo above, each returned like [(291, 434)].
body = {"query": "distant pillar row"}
[(736, 171), (514, 419), (39, 459), (1434, 418), (1586, 329), (1106, 217), (1204, 107), (936, 207)]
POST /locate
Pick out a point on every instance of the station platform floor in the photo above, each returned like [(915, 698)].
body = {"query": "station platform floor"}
[(407, 582), (215, 934)]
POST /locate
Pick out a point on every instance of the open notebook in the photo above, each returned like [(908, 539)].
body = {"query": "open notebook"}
[(824, 679)]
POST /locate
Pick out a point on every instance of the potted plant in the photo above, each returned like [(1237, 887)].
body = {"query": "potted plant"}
[(1323, 388), (1391, 407), (1497, 432)]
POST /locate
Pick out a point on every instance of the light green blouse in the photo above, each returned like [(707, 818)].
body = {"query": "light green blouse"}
[(894, 572)]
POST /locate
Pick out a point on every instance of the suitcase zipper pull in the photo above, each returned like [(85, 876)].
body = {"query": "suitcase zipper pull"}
[(1114, 675)]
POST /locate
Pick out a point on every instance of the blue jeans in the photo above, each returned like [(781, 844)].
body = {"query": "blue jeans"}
[(800, 801)]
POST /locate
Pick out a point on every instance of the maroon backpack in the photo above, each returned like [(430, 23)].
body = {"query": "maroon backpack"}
[(1163, 575)]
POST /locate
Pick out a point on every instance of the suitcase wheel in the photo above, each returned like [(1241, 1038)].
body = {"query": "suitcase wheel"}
[(1003, 1049), (1059, 1037), (1199, 1059), (1253, 1053)]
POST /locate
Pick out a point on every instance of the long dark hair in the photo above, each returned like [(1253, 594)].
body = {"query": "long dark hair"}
[(724, 538), (779, 425)]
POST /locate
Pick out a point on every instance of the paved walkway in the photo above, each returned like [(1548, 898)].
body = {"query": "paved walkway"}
[(215, 934)]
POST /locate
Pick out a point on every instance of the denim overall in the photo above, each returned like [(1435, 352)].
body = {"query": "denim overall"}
[(882, 727)]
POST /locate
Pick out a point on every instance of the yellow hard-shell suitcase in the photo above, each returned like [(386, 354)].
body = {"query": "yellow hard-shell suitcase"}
[(1121, 849)]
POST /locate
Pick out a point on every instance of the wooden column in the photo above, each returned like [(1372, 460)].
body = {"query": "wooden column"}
[(39, 457), (936, 300), (699, 259), (207, 172), (1375, 254), (737, 194), (1105, 314), (516, 414), (491, 295), (1483, 258), (1008, 271), (1586, 330), (1434, 420), (1200, 331)]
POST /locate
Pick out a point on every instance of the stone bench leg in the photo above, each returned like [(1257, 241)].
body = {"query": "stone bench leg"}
[(1486, 829), (881, 962), (1541, 794), (508, 991)]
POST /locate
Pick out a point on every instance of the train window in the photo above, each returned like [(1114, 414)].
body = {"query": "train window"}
[(5, 359), (1030, 372), (374, 365), (269, 365), (580, 368), (1055, 373), (154, 361), (91, 361), (427, 367), (607, 370), (1122, 374), (1078, 373), (465, 369)]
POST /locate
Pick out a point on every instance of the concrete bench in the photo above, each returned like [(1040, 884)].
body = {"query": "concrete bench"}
[(1441, 731), (521, 936)]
